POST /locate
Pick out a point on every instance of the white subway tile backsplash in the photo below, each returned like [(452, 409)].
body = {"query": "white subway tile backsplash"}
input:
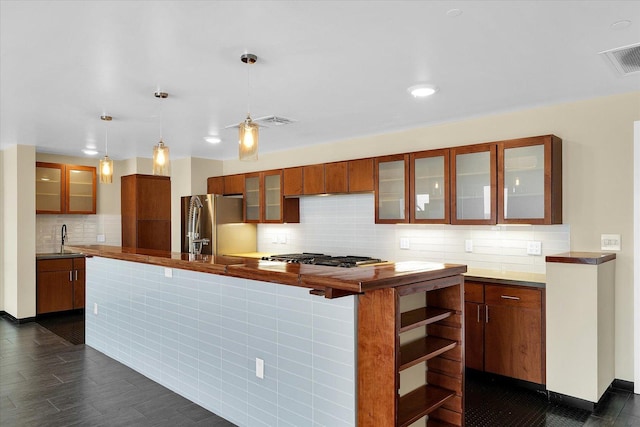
[(81, 230), (344, 225)]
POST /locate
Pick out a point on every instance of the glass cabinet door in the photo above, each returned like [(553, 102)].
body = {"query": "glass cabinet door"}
[(81, 189), (252, 198), (49, 188), (430, 187), (391, 189), (523, 184), (474, 184), (530, 180), (273, 197)]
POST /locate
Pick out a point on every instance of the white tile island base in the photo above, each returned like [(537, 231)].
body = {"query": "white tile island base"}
[(199, 334)]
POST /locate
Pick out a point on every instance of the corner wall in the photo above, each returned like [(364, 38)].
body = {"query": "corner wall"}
[(597, 139), (19, 268), (2, 237)]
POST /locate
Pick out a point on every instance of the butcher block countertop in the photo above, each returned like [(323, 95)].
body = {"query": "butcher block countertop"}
[(328, 281)]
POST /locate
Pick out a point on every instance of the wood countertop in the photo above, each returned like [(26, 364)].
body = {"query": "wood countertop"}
[(592, 258), (328, 281)]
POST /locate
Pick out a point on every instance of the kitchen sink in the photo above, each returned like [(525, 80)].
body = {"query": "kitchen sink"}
[(59, 254)]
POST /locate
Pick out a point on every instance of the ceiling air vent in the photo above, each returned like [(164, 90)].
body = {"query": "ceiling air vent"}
[(267, 122), (625, 59)]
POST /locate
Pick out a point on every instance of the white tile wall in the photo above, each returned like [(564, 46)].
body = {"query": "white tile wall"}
[(199, 335), (344, 225), (81, 230)]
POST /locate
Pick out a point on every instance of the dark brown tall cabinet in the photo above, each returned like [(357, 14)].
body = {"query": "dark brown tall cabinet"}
[(146, 212)]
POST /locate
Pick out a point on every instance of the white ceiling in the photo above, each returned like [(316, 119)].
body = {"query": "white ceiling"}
[(340, 69)]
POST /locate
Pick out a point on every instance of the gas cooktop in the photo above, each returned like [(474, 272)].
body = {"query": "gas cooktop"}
[(322, 259)]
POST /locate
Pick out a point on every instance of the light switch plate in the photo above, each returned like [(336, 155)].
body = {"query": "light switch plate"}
[(610, 242), (468, 245), (534, 247), (404, 243)]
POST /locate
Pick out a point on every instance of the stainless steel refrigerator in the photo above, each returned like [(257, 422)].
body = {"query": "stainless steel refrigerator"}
[(213, 224)]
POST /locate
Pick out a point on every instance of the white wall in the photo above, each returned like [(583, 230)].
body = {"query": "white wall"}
[(2, 238), (636, 257), (597, 139), (19, 269)]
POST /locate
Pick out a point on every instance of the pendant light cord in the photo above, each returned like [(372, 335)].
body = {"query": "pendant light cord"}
[(248, 86), (106, 140)]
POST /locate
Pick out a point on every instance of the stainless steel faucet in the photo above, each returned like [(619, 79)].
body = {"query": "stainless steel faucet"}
[(193, 232), (64, 237)]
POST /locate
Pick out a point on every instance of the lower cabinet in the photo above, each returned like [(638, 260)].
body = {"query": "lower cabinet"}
[(504, 330), (60, 284), (410, 355)]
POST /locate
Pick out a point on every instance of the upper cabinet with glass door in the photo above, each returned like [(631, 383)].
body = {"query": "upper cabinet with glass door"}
[(530, 180), (264, 200), (65, 189), (391, 181), (430, 187), (473, 184)]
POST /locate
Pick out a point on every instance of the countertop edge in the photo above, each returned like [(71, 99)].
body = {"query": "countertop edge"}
[(590, 258)]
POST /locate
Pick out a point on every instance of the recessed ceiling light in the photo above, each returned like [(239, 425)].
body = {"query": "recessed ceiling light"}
[(454, 12), (212, 139), (422, 90), (619, 25), (89, 152)]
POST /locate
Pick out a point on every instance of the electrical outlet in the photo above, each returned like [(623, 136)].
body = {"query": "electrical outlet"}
[(404, 243), (534, 247), (282, 239), (101, 238), (168, 272), (259, 368), (274, 238), (95, 308), (468, 245), (610, 242)]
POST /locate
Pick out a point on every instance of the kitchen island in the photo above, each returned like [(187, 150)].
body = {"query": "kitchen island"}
[(374, 345)]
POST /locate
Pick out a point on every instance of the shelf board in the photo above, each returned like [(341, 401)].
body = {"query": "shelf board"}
[(423, 349), (420, 402), (422, 316)]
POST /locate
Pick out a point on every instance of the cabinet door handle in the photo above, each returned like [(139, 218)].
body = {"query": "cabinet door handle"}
[(486, 314), (70, 276), (509, 297), (478, 313), (76, 275)]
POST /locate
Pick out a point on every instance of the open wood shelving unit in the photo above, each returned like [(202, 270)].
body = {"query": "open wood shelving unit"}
[(381, 356)]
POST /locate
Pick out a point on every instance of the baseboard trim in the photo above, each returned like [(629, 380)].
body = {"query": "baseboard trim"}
[(14, 320), (623, 385), (575, 402)]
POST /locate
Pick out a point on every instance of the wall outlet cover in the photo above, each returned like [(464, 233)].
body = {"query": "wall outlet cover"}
[(168, 272), (534, 247), (404, 243), (259, 368), (468, 245), (101, 238)]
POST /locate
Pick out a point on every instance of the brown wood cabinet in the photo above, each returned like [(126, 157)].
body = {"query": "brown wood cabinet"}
[(146, 211), (228, 185), (504, 334), (65, 189), (473, 184), (391, 189), (383, 355), (60, 284), (361, 175), (313, 179), (530, 180), (292, 181), (264, 201)]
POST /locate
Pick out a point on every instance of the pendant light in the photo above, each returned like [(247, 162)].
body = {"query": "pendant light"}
[(161, 151), (106, 164), (248, 131)]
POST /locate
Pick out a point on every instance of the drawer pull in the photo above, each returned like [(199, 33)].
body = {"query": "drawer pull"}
[(509, 297)]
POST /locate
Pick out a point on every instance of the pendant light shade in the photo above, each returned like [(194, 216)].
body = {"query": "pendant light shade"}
[(248, 140), (161, 159), (106, 164), (248, 131), (161, 151)]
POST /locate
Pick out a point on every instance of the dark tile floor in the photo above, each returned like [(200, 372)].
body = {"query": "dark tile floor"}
[(46, 380)]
